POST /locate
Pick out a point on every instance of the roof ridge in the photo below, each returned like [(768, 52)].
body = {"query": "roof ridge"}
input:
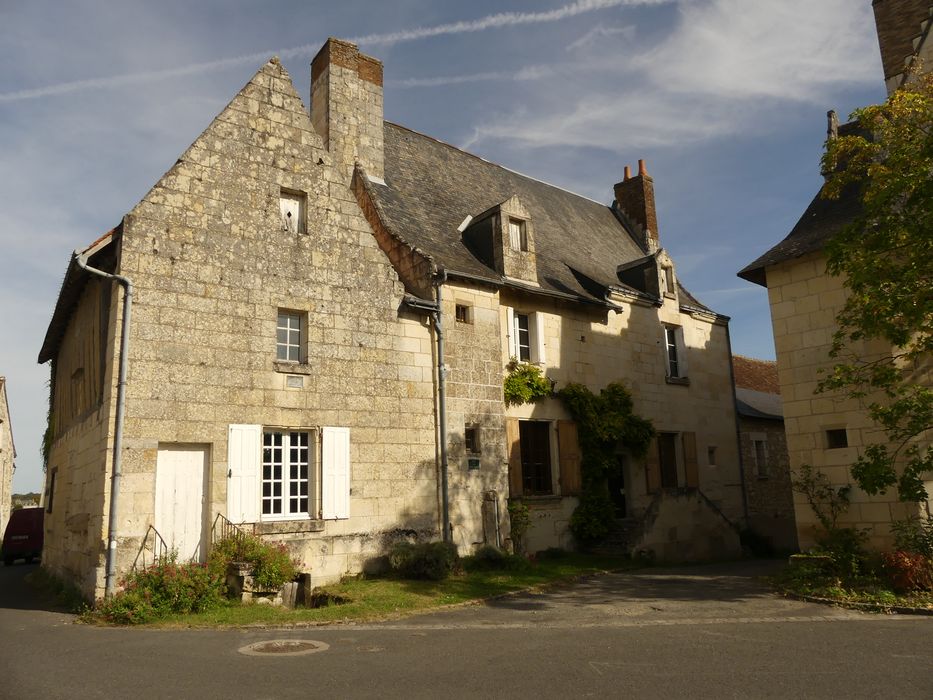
[(497, 165)]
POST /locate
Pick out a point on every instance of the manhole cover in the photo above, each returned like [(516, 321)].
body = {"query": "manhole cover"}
[(283, 647)]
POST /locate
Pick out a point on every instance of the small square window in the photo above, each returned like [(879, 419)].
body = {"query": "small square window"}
[(518, 235), (292, 211), (289, 336), (836, 438), (464, 313), (471, 438)]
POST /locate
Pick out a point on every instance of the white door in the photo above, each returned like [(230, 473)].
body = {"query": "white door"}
[(181, 471)]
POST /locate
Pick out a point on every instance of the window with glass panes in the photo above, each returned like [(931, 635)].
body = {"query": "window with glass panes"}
[(288, 337), (670, 339), (522, 337), (287, 459)]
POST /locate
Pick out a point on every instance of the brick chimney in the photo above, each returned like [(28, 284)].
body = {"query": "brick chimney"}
[(635, 199), (346, 106)]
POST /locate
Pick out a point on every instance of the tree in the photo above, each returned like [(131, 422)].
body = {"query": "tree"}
[(886, 259)]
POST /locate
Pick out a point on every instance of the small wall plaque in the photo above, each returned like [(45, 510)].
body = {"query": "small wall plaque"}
[(293, 381), (473, 463)]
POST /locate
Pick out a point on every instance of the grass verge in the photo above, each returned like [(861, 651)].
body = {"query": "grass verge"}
[(61, 595), (370, 599), (810, 580)]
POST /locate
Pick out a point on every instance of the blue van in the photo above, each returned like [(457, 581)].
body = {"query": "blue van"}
[(24, 535)]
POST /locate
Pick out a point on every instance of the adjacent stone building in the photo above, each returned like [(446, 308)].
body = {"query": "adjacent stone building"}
[(768, 492), (828, 430), (324, 307), (7, 457)]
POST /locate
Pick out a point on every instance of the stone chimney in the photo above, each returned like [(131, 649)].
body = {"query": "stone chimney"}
[(635, 199), (346, 106)]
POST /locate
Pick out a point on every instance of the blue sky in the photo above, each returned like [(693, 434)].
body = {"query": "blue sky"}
[(725, 99)]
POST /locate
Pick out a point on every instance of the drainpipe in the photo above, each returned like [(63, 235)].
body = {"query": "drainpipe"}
[(439, 280), (738, 428), (81, 259)]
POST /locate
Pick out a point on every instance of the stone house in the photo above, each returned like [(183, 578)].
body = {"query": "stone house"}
[(7, 457), (768, 493), (828, 431), (324, 306)]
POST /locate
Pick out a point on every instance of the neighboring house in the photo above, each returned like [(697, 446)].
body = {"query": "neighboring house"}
[(828, 430), (768, 492), (296, 278), (7, 456)]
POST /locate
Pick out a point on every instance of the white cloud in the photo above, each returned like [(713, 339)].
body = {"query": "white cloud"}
[(727, 64), (495, 21), (598, 32)]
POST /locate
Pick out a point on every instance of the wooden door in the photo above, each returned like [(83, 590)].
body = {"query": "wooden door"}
[(181, 471)]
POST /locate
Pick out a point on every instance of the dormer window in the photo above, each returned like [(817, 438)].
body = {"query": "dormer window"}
[(518, 236), (668, 280)]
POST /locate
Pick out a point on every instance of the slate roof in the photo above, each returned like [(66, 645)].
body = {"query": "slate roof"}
[(900, 25), (758, 404), (432, 186)]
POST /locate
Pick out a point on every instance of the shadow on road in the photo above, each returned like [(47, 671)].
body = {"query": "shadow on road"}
[(21, 589), (731, 582)]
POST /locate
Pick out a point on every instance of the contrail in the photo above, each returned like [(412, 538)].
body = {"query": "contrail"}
[(528, 73), (495, 21)]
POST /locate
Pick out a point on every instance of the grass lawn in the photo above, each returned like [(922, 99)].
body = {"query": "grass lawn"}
[(867, 588), (368, 599)]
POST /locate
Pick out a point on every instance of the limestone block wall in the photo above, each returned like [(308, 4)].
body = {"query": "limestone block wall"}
[(212, 266), (768, 487), (595, 347), (804, 303), (474, 400), (6, 458), (77, 479)]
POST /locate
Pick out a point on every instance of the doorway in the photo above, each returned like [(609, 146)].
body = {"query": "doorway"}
[(181, 473)]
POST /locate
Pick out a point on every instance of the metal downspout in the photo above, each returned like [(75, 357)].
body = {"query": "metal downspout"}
[(439, 280), (118, 427)]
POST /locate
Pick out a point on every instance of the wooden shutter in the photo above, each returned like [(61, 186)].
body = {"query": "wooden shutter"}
[(537, 337), (513, 447), (691, 469), (653, 467), (510, 333), (244, 443), (569, 448), (335, 473)]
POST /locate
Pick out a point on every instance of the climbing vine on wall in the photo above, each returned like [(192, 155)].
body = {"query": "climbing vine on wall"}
[(605, 422), (525, 383)]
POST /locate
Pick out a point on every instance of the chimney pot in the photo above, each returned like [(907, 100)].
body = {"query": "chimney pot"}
[(641, 167), (627, 173)]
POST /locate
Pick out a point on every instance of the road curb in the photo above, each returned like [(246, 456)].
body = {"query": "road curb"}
[(856, 605)]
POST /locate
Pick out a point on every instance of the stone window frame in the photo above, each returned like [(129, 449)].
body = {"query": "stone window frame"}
[(546, 473), (668, 284), (299, 197), (472, 440), (675, 354), (837, 438), (518, 233), (760, 454), (463, 313), (289, 364)]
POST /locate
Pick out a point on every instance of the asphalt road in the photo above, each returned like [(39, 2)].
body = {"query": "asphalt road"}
[(699, 632)]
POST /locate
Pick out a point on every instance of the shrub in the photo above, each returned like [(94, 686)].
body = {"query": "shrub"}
[(914, 535), (271, 563), (591, 519), (164, 589), (489, 558), (429, 560), (909, 571), (846, 547)]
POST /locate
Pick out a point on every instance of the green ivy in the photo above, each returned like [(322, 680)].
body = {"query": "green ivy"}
[(605, 423), (525, 384)]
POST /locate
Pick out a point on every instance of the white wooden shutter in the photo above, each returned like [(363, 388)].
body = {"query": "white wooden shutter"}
[(681, 353), (537, 338), (511, 334), (335, 473), (244, 443)]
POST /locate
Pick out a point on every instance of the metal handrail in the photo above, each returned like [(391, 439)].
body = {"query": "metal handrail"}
[(223, 529), (159, 550)]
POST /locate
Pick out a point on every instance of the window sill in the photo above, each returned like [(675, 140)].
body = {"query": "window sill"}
[(278, 527), (681, 381), (291, 367)]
